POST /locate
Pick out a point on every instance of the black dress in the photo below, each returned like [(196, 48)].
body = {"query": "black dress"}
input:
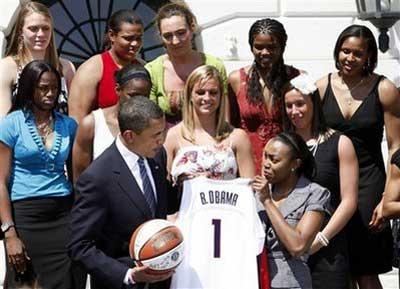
[(330, 264), (369, 253)]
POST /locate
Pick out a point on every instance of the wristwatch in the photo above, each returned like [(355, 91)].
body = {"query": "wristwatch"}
[(6, 226)]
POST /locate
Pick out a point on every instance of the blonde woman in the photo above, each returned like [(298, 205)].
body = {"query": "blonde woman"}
[(32, 38), (203, 142)]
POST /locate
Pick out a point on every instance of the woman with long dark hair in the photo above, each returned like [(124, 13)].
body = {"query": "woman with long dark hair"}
[(295, 207), (336, 170), (35, 194), (255, 90)]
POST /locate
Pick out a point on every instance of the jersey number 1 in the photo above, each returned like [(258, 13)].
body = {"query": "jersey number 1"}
[(217, 237)]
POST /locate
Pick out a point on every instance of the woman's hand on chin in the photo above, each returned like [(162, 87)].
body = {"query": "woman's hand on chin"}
[(260, 185)]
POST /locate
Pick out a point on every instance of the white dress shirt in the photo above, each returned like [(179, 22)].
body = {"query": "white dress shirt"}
[(131, 160)]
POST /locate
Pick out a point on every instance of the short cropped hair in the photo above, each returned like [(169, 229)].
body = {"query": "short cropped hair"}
[(135, 114)]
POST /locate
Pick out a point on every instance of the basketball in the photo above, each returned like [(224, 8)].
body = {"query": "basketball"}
[(158, 244)]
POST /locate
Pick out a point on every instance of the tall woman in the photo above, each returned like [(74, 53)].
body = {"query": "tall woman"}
[(98, 130), (255, 90), (336, 170), (35, 195), (360, 103), (94, 85), (295, 206), (169, 72), (32, 37)]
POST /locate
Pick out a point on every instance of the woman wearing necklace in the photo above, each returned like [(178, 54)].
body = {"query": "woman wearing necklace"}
[(360, 104), (337, 170), (296, 208), (35, 195)]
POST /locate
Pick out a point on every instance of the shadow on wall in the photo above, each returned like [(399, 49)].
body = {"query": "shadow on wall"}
[(394, 36)]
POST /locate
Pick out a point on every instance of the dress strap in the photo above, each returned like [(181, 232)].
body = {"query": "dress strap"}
[(243, 75), (329, 79)]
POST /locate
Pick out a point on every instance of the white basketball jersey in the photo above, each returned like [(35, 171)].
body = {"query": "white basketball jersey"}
[(222, 233)]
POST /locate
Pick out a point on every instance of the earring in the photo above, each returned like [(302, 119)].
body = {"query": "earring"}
[(20, 45), (292, 170)]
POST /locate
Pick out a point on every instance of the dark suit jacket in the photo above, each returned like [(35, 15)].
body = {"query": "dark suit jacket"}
[(108, 208)]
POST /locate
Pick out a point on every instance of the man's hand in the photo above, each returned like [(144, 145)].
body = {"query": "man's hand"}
[(146, 275)]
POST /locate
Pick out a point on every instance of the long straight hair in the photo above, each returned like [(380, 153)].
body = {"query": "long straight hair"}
[(318, 123), (28, 81), (17, 50), (202, 74)]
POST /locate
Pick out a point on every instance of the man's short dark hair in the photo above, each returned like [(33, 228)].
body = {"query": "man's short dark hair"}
[(135, 114)]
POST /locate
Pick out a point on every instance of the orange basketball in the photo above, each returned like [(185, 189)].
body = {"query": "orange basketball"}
[(158, 244)]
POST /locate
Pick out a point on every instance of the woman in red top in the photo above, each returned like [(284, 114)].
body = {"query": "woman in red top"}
[(255, 90), (93, 85)]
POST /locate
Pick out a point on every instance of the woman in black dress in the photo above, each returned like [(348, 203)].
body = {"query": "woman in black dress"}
[(360, 104), (337, 167)]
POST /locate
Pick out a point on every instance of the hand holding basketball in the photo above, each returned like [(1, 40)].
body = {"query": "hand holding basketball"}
[(157, 244), (143, 274)]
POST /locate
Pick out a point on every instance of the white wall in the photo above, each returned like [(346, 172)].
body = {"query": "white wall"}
[(312, 27)]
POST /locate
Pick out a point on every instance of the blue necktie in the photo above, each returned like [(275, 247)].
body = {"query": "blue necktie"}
[(147, 187)]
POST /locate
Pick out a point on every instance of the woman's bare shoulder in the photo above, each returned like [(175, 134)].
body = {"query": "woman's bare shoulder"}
[(8, 69)]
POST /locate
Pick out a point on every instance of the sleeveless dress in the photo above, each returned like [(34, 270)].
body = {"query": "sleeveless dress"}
[(103, 137), (260, 125), (369, 253), (106, 94), (219, 160), (330, 265)]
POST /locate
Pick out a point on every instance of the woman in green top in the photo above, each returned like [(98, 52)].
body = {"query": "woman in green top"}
[(169, 72)]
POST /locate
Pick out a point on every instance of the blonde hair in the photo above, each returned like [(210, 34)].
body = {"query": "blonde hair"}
[(19, 52), (200, 75)]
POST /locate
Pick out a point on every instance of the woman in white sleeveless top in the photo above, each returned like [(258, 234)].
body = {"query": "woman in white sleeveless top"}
[(97, 131), (203, 143)]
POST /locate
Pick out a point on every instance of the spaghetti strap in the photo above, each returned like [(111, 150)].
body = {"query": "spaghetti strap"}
[(179, 143)]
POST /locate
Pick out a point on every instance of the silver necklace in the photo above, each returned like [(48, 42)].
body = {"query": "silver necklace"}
[(349, 97)]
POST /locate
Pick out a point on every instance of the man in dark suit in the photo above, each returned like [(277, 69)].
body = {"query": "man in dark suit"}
[(120, 190)]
